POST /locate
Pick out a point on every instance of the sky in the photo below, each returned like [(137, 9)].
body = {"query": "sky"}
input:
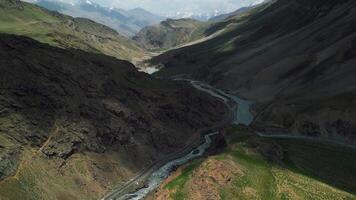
[(178, 7)]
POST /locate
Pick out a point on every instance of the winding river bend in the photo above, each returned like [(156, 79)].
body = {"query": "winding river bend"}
[(241, 111), (162, 173)]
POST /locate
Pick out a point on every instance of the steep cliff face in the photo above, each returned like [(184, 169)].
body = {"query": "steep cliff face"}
[(73, 124), (295, 59)]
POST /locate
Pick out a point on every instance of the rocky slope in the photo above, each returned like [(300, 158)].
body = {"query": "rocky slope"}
[(170, 33), (295, 59), (26, 19), (73, 124)]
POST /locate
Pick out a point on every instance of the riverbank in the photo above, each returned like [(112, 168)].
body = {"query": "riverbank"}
[(240, 114), (140, 180), (157, 177), (253, 167), (257, 166)]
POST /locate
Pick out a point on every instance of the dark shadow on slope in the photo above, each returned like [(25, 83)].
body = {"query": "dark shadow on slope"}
[(321, 160)]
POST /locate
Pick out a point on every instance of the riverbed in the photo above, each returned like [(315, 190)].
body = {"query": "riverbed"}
[(242, 115), (157, 177)]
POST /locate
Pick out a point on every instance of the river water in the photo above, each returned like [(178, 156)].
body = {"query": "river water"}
[(162, 173), (242, 115)]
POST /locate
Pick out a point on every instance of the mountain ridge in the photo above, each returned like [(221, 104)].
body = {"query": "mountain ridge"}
[(126, 22), (76, 128), (65, 31), (297, 70), (170, 33)]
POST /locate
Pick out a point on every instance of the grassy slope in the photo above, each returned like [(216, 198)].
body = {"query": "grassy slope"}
[(307, 170), (208, 51), (198, 27), (85, 175), (171, 33), (66, 32), (82, 177)]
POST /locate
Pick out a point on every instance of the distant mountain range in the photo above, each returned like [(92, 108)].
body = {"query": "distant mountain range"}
[(21, 18), (227, 15), (173, 33), (191, 15), (126, 22)]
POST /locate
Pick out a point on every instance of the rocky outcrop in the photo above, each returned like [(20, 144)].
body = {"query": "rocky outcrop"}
[(56, 104), (9, 160), (12, 4)]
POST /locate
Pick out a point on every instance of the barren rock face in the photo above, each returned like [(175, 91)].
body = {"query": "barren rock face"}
[(61, 103)]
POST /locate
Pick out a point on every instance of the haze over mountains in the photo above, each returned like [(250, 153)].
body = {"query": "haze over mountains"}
[(125, 22), (197, 9)]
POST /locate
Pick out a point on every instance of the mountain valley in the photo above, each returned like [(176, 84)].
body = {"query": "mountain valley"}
[(297, 70), (259, 103), (78, 127)]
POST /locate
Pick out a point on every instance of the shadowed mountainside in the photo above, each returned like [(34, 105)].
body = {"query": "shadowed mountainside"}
[(295, 59), (73, 124)]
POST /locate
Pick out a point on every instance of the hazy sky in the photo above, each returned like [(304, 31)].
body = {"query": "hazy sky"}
[(189, 6), (172, 7)]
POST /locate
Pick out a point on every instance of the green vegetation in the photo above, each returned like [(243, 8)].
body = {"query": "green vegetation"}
[(183, 177), (257, 176), (331, 163), (64, 31), (171, 34), (80, 177), (259, 168), (181, 180)]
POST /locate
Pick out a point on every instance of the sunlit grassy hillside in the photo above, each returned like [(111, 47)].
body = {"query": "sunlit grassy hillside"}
[(26, 19), (257, 168)]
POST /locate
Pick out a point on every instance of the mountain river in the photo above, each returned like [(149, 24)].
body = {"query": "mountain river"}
[(242, 115)]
